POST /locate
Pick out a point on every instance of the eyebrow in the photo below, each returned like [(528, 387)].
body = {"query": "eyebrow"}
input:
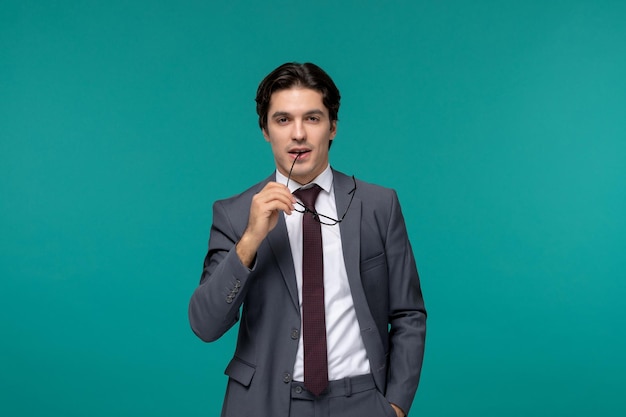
[(308, 113)]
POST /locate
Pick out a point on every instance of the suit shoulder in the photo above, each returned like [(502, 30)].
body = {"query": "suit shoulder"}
[(373, 194), (371, 187), (345, 182), (368, 191)]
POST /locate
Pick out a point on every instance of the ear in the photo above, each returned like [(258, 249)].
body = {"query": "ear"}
[(265, 134), (333, 129)]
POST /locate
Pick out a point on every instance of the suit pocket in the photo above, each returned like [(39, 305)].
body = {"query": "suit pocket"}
[(386, 406), (240, 371)]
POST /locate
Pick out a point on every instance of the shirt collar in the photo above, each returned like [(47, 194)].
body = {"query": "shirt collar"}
[(324, 180)]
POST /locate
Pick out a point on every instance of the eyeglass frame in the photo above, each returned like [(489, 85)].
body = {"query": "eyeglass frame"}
[(317, 216)]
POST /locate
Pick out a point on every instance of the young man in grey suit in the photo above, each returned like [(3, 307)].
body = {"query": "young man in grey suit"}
[(332, 320)]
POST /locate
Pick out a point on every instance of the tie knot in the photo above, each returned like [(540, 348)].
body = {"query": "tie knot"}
[(308, 195)]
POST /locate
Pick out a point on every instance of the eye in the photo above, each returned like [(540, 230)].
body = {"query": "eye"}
[(282, 120), (313, 119)]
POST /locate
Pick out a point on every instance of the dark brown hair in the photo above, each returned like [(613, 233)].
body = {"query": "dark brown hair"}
[(293, 74)]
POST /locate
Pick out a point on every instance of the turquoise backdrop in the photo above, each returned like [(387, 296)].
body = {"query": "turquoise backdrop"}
[(501, 124)]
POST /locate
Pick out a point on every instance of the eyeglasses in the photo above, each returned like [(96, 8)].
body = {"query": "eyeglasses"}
[(321, 218)]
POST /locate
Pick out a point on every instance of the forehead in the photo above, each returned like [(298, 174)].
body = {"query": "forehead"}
[(296, 99)]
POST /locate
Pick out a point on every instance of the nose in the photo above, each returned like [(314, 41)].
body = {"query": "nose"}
[(299, 132)]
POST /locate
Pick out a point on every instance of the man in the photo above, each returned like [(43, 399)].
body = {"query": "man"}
[(318, 267)]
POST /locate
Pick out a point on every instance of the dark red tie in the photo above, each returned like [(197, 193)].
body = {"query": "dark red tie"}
[(313, 313)]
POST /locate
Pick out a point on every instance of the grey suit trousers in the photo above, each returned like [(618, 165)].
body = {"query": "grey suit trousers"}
[(349, 397)]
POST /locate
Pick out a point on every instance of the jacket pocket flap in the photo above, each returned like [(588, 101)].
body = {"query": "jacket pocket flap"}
[(240, 371)]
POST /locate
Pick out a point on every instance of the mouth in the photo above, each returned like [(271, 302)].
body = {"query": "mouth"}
[(298, 153)]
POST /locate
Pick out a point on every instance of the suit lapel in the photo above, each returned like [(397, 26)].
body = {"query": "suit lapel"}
[(350, 229), (278, 240)]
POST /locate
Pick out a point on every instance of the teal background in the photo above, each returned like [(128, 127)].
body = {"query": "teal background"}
[(501, 125)]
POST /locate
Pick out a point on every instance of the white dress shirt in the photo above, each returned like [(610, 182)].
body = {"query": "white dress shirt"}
[(346, 353)]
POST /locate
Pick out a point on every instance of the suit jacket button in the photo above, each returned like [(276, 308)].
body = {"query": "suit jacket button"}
[(295, 334), (286, 377), (298, 389), (229, 299)]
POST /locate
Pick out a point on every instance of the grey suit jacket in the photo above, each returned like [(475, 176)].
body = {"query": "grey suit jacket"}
[(383, 280)]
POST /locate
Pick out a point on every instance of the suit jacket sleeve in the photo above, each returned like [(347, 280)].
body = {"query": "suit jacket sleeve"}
[(407, 314), (214, 305)]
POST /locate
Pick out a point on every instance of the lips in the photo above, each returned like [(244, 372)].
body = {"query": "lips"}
[(299, 152)]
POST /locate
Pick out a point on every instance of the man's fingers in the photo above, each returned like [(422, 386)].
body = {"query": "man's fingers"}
[(274, 196)]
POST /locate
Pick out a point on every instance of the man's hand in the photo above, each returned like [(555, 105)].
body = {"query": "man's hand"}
[(398, 410), (264, 211)]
